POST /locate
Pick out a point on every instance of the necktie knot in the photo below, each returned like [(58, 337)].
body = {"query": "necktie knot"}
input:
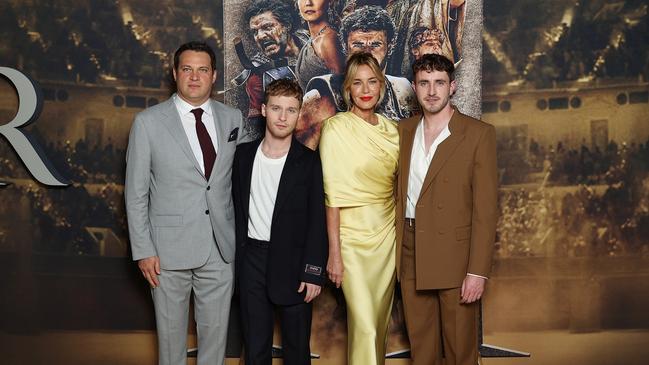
[(198, 112)]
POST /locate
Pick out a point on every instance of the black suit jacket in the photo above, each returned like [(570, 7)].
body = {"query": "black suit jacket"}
[(298, 235)]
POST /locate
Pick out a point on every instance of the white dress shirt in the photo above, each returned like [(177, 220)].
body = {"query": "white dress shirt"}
[(189, 125), (266, 173), (419, 163)]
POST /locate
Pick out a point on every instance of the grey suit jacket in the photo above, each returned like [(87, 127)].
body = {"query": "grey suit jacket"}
[(173, 211)]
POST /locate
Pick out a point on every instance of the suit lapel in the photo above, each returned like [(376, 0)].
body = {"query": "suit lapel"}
[(407, 141), (246, 162), (171, 119), (289, 176), (221, 136), (444, 150)]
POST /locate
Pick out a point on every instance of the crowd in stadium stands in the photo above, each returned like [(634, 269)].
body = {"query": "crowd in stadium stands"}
[(607, 219), (90, 165), (577, 223), (77, 162), (602, 40), (85, 42), (570, 166), (61, 215), (55, 219)]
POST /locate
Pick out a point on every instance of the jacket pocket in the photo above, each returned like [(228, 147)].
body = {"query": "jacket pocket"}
[(463, 233), (167, 220)]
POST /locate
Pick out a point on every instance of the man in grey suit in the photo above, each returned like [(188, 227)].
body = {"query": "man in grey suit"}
[(179, 207)]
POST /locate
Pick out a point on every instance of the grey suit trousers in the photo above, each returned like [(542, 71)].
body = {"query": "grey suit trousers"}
[(210, 283)]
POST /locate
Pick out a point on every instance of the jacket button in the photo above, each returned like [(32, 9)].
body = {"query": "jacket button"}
[(207, 212), (445, 179), (440, 232), (208, 188), (440, 206)]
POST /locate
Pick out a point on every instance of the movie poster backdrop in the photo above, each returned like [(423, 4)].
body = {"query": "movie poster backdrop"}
[(270, 39), (309, 41)]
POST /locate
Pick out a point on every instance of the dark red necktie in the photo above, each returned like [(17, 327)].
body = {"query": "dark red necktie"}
[(209, 154)]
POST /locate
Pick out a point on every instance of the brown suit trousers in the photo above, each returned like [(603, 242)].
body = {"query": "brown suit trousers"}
[(435, 314)]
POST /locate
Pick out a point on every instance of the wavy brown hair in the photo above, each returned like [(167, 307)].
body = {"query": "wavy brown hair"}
[(283, 87)]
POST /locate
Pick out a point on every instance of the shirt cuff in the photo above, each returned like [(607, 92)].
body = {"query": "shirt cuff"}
[(480, 276)]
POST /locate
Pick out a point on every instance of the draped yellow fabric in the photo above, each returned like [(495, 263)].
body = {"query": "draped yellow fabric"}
[(359, 163)]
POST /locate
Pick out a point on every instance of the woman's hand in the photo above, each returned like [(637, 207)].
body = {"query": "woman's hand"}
[(335, 269)]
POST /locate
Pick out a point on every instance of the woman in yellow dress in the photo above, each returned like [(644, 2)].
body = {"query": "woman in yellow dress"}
[(359, 151)]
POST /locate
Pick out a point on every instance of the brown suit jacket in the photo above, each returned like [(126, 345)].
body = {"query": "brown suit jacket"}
[(457, 208)]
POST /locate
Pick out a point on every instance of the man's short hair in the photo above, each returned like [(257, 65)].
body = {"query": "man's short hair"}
[(433, 62), (353, 63), (420, 34), (367, 19), (196, 46), (283, 87), (280, 10)]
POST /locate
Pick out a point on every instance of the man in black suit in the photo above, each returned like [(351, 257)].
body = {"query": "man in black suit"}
[(280, 231)]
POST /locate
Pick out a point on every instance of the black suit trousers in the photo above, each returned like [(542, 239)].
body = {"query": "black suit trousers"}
[(257, 314)]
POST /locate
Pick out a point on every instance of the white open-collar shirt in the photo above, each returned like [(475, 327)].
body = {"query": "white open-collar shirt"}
[(419, 163)]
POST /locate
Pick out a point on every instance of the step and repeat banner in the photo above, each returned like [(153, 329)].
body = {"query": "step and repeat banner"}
[(565, 84)]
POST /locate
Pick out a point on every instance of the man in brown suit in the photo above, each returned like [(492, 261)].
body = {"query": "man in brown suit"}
[(446, 219)]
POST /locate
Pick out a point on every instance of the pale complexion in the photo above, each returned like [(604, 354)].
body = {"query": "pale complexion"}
[(194, 77), (434, 90), (281, 114), (365, 91)]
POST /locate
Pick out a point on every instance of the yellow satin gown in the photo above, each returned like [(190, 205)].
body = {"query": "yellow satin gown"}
[(359, 164)]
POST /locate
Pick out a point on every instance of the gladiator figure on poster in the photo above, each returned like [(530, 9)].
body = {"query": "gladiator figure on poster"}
[(272, 26), (444, 20), (366, 29), (309, 40)]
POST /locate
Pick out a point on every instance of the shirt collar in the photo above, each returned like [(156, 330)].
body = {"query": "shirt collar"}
[(419, 133), (186, 108)]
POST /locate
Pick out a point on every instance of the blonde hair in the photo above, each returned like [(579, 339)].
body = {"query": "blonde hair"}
[(355, 61)]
